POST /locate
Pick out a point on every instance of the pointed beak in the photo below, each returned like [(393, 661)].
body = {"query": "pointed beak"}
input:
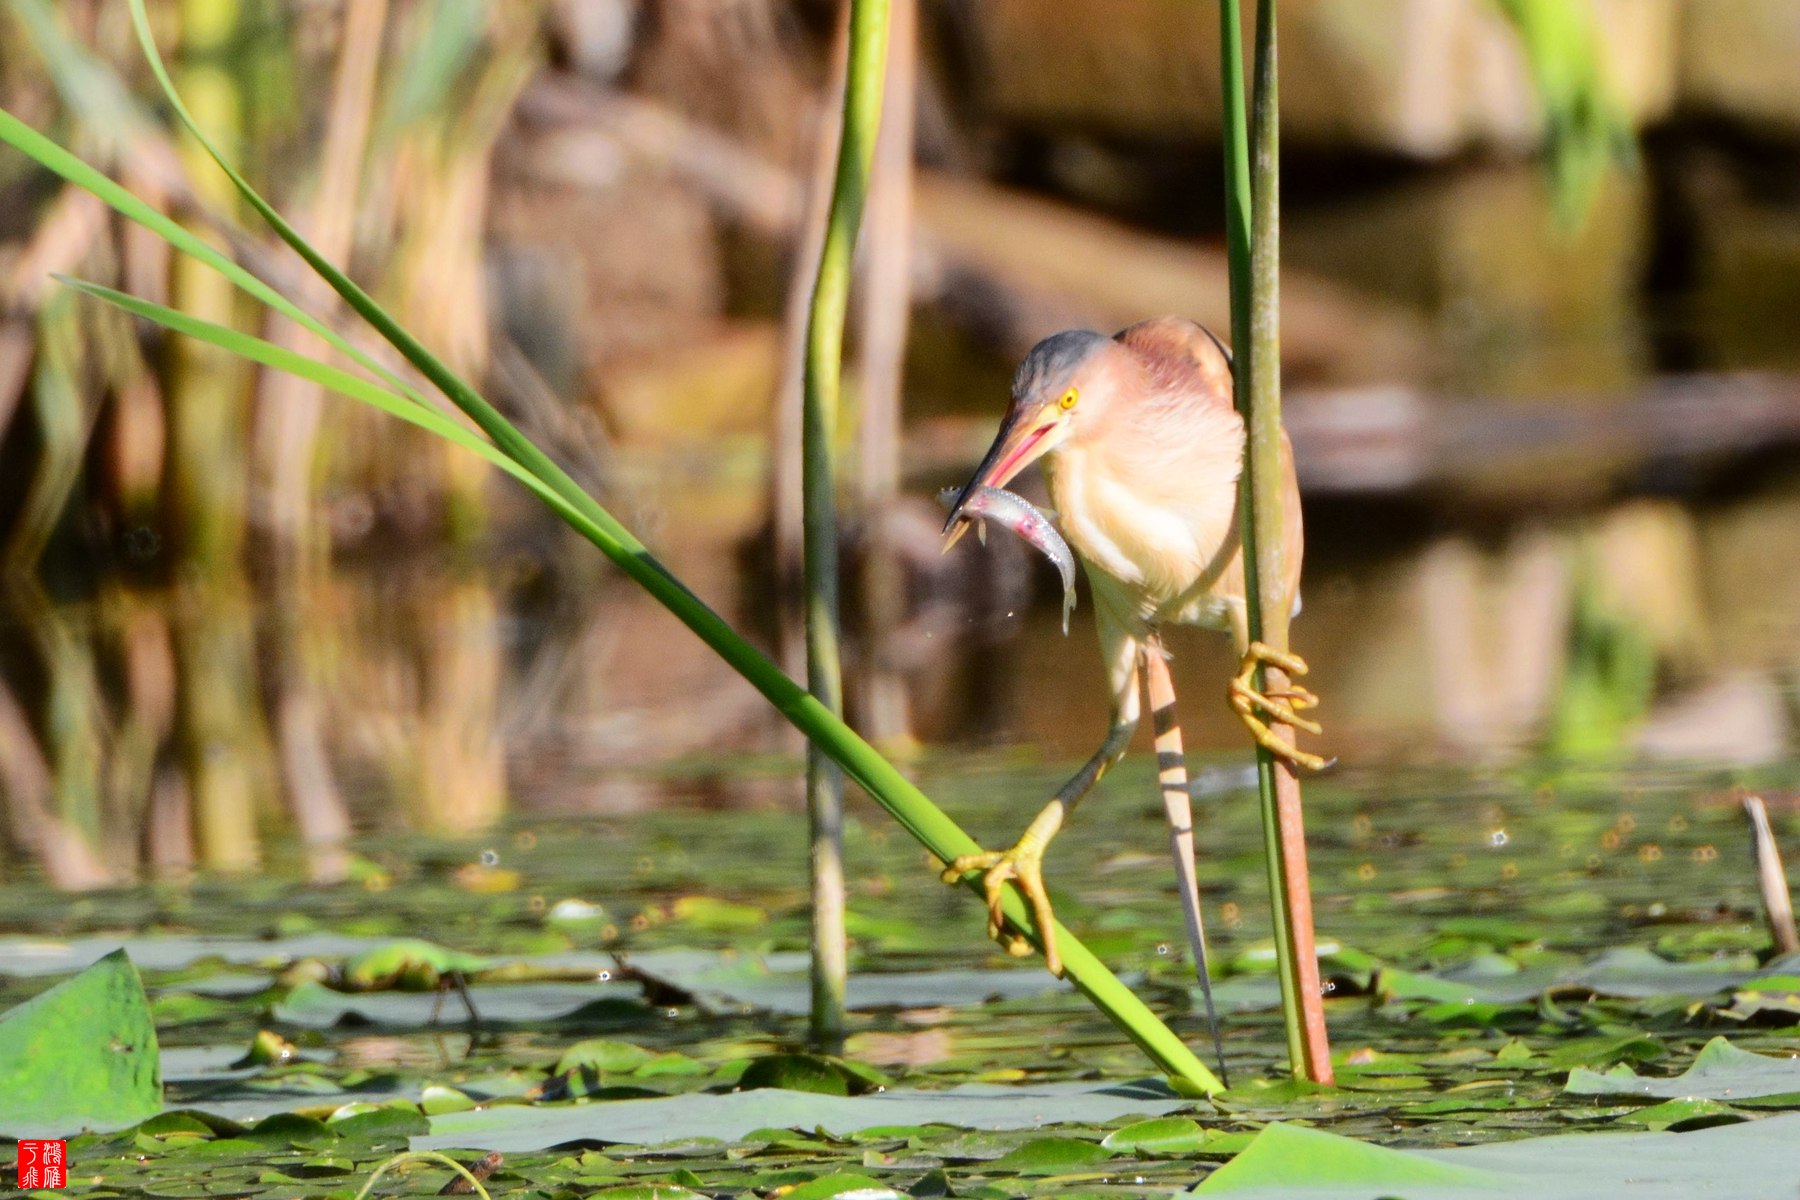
[(1016, 446)]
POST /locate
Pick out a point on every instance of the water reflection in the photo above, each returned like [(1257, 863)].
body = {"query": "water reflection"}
[(226, 726), (221, 740)]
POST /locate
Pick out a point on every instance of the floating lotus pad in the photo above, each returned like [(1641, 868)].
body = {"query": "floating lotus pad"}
[(732, 1115), (80, 1056), (1750, 1161), (1721, 1071)]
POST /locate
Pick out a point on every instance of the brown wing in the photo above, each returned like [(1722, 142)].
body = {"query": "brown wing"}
[(1190, 348)]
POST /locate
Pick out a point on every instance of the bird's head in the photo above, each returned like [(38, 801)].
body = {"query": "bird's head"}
[(1061, 389)]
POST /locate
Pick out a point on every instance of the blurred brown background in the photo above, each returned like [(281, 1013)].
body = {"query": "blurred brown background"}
[(1542, 378)]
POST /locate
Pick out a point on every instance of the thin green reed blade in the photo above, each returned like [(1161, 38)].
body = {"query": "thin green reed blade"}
[(53, 157), (268, 354), (512, 452)]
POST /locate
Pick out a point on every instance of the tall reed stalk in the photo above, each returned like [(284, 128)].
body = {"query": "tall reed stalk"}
[(205, 386), (864, 76), (507, 449), (1252, 206)]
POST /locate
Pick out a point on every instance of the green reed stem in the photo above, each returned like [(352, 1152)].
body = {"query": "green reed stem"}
[(1238, 206), (864, 76), (1252, 195), (514, 453)]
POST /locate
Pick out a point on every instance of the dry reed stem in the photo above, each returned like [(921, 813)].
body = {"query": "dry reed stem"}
[(288, 415), (1771, 878), (885, 310), (786, 513)]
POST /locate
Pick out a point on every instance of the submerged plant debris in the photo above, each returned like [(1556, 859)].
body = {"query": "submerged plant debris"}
[(616, 1006)]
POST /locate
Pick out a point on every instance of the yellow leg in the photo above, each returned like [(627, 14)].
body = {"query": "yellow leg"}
[(1023, 865), (1121, 647), (1247, 702)]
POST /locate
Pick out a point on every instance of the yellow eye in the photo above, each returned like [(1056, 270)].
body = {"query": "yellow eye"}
[(1068, 399)]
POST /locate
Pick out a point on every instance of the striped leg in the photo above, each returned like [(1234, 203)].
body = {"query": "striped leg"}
[(1178, 803)]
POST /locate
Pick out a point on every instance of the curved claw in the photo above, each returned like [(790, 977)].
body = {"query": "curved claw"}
[(1265, 737), (1262, 652), (1297, 697), (1283, 706), (1246, 700), (1022, 865)]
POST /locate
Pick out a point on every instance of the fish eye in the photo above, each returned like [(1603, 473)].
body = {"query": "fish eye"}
[(1068, 399)]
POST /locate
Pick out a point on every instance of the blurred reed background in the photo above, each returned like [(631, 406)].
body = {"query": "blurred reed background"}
[(1546, 419)]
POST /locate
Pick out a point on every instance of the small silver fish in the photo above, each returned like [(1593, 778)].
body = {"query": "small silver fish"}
[(1018, 514)]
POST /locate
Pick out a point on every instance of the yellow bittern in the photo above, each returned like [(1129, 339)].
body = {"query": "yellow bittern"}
[(1142, 449)]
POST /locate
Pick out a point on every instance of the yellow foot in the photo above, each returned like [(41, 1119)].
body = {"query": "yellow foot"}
[(1284, 707), (1023, 865)]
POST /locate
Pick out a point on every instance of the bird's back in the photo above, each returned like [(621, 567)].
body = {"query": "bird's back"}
[(1187, 352)]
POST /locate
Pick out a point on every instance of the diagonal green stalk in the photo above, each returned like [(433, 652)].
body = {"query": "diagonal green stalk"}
[(864, 76), (513, 453)]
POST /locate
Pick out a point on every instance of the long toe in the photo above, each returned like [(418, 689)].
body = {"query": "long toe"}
[(1298, 758), (1023, 865), (1019, 866), (1246, 700), (1297, 697), (1280, 706), (1292, 663), (962, 864), (1286, 751), (1306, 723), (994, 884), (1031, 882)]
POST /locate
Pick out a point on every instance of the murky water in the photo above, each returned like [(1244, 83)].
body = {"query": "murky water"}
[(1485, 879)]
